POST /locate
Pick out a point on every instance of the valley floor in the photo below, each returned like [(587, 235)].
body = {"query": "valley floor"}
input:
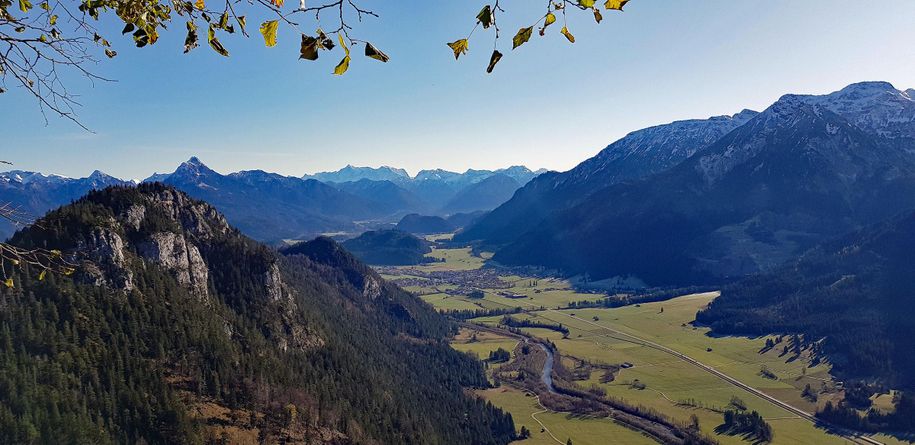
[(652, 377)]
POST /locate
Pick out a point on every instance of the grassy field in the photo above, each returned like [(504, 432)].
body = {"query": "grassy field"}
[(582, 431), (671, 383), (455, 259), (672, 386), (482, 343)]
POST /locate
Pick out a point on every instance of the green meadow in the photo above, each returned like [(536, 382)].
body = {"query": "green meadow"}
[(671, 386)]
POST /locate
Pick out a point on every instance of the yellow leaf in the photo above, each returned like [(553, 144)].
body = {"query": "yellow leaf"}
[(342, 43), (565, 32), (277, 3), (242, 23), (550, 19), (586, 3), (344, 64), (523, 35), (52, 20), (215, 44), (42, 275), (25, 5), (459, 47), (8, 282), (375, 53), (268, 30), (200, 5), (615, 4)]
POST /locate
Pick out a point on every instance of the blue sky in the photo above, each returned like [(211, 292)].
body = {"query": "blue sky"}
[(548, 104)]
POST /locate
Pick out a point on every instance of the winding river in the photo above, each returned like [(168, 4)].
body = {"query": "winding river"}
[(547, 376)]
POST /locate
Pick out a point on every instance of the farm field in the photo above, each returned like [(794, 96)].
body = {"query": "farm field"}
[(672, 386), (589, 431)]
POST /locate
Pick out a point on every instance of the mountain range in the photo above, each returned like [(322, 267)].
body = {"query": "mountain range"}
[(32, 194), (271, 207), (729, 197)]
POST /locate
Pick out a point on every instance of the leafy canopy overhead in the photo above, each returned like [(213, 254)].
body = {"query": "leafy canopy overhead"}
[(40, 41)]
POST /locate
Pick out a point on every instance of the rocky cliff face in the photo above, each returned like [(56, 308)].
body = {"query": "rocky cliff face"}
[(180, 257), (157, 226), (165, 228)]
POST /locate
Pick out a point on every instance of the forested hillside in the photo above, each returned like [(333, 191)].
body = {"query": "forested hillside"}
[(177, 329), (389, 248), (858, 293), (852, 301)]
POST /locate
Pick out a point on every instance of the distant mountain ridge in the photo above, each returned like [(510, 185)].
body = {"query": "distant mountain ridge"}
[(352, 173), (272, 207), (807, 169), (33, 194)]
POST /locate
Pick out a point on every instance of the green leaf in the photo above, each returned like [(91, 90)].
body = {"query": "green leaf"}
[(309, 49), (459, 47), (215, 44), (375, 53), (615, 4), (268, 30), (190, 42), (523, 35), (25, 5), (52, 20), (496, 57), (485, 17), (565, 32), (42, 275), (344, 64), (224, 20)]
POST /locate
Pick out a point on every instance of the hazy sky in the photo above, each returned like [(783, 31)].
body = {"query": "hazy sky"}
[(548, 104)]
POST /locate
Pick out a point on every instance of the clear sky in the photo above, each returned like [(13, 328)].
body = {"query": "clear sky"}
[(548, 104)]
